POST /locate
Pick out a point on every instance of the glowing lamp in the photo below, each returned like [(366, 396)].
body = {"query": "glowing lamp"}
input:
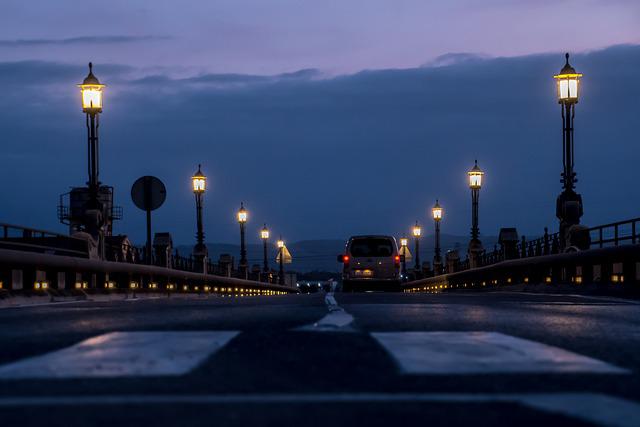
[(91, 91), (417, 230), (242, 214), (280, 244), (199, 182), (475, 177), (264, 233), (436, 211), (404, 242), (568, 83)]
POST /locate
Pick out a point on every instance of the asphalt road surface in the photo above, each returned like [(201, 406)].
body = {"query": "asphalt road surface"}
[(479, 359)]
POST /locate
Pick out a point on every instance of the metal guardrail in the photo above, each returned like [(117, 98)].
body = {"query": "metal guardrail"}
[(137, 255), (10, 230), (65, 272), (615, 267), (19, 238), (35, 240), (613, 234)]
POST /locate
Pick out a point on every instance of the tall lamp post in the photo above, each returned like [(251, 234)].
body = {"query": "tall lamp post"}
[(242, 220), (436, 212), (403, 249), (475, 245), (417, 232), (199, 183), (264, 235), (569, 207), (91, 91), (280, 245)]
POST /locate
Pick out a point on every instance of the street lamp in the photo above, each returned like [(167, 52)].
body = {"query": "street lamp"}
[(404, 242), (242, 220), (264, 235), (91, 91), (417, 232), (199, 184), (475, 183), (569, 207), (437, 212), (280, 244)]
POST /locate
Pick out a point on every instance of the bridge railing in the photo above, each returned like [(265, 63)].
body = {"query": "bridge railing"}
[(137, 255), (613, 268), (615, 233), (42, 272), (35, 240), (601, 236), (116, 250)]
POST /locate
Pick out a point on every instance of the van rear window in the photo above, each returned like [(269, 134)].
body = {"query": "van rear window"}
[(362, 248)]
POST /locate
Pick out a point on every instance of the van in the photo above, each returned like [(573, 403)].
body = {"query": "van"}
[(371, 263)]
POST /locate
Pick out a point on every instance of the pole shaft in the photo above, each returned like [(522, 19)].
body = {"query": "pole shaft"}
[(149, 255), (281, 278), (475, 195), (199, 232), (568, 175), (437, 240), (266, 260), (243, 249)]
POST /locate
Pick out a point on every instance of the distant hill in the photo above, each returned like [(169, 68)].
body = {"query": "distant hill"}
[(320, 255)]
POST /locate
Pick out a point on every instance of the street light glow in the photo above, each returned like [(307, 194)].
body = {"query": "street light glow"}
[(436, 211), (91, 91), (475, 177), (242, 214), (404, 242), (417, 230), (568, 83), (264, 233), (199, 182), (280, 243)]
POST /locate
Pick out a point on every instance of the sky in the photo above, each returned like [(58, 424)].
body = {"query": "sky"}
[(325, 118)]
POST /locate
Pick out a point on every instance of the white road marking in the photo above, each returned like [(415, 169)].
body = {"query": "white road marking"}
[(330, 300), (603, 410), (445, 353), (123, 354), (336, 320)]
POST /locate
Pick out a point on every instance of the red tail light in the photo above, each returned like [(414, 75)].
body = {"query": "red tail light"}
[(345, 259), (397, 259)]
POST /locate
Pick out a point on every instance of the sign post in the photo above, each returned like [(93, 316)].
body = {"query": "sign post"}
[(148, 194)]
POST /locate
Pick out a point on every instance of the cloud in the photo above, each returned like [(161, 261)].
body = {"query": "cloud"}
[(324, 157), (81, 40), (30, 74), (455, 58), (227, 80)]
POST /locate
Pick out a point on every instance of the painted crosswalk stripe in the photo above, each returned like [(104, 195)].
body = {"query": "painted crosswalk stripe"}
[(443, 353), (123, 354)]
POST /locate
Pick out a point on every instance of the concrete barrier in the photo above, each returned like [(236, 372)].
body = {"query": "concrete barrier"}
[(28, 271), (615, 268)]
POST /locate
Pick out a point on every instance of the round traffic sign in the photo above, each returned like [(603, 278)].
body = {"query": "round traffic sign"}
[(148, 193)]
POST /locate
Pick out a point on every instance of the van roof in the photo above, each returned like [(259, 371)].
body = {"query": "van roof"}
[(371, 236)]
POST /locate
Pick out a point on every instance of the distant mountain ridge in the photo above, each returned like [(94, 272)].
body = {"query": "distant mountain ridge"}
[(320, 255)]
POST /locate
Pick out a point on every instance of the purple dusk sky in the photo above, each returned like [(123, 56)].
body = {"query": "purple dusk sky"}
[(334, 36), (271, 97)]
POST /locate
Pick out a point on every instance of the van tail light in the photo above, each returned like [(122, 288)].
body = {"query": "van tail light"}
[(396, 259), (345, 259)]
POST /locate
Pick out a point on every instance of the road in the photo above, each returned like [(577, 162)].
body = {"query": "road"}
[(485, 359)]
